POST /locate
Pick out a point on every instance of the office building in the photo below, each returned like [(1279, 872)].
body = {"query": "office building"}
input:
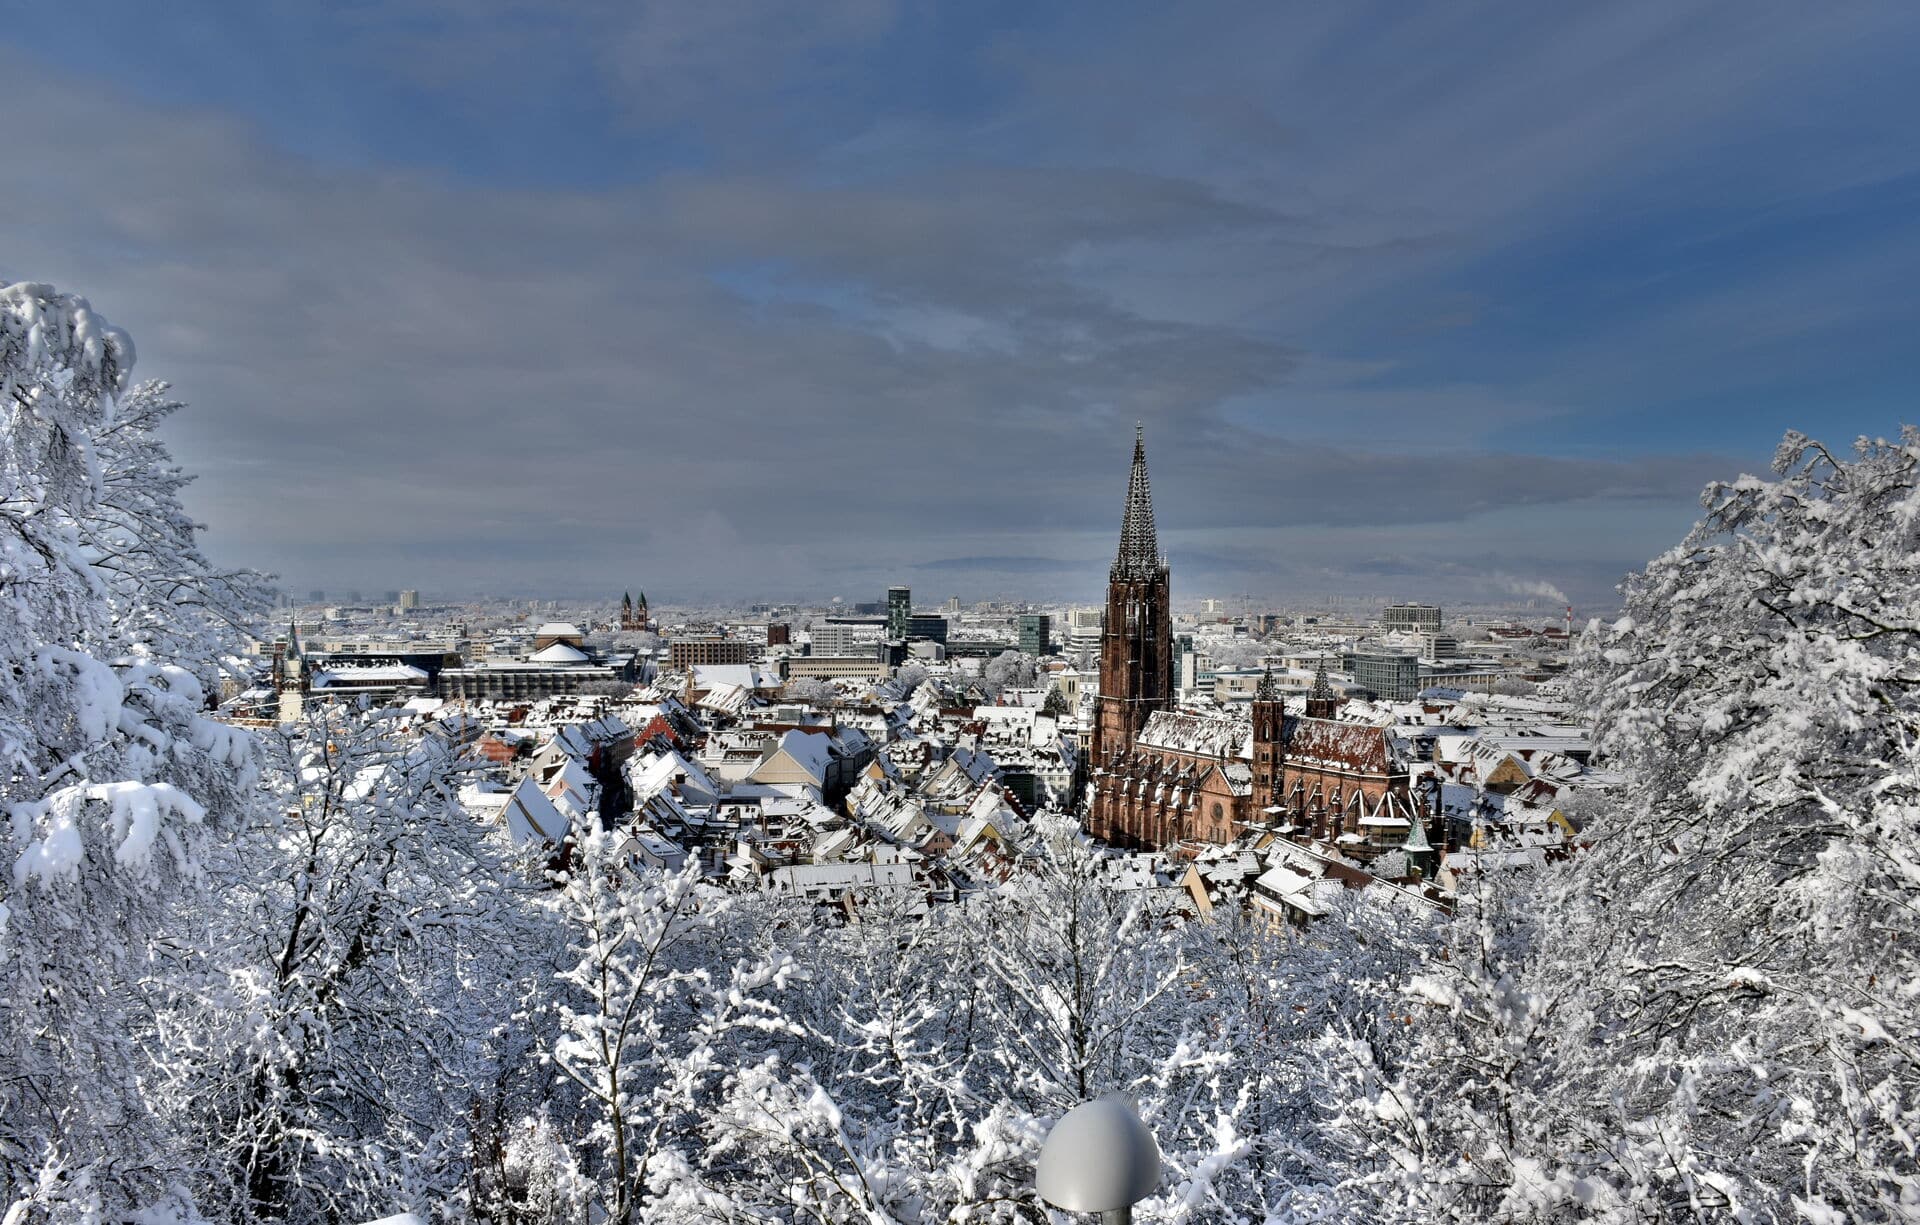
[(1392, 675), (698, 649), (846, 635), (899, 612), (1419, 618), (926, 627), (1083, 629), (1035, 634)]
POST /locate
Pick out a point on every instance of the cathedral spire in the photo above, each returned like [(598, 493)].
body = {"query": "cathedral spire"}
[(1269, 690), (1322, 687), (1139, 555), (1322, 701)]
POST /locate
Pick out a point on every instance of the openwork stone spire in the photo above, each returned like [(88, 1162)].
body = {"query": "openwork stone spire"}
[(1269, 690), (1139, 557), (1322, 687)]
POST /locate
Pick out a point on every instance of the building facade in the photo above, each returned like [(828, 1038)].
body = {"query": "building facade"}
[(926, 627), (1393, 675), (684, 653), (1418, 617), (1083, 629), (899, 612), (846, 636), (1036, 630)]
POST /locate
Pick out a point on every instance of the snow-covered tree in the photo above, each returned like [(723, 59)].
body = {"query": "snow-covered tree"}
[(166, 600), (1076, 966), (646, 1025), (111, 778), (812, 689), (369, 935), (1008, 670), (1712, 1010)]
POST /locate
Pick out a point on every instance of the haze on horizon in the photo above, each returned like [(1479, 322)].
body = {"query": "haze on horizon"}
[(731, 299)]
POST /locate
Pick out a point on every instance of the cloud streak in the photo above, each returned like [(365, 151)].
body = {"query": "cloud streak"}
[(791, 304)]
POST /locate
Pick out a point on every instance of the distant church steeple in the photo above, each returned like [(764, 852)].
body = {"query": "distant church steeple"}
[(633, 616), (291, 681), (1136, 640)]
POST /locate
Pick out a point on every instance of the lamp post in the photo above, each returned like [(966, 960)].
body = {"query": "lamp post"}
[(1099, 1158)]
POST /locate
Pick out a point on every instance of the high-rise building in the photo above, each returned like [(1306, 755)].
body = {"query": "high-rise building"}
[(953, 606), (1035, 633), (409, 600), (1136, 647), (1421, 618), (1083, 629), (899, 612), (926, 627)]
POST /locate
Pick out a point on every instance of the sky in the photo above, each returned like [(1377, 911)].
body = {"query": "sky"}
[(741, 299)]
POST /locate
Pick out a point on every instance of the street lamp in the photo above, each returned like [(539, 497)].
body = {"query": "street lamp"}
[(1099, 1158)]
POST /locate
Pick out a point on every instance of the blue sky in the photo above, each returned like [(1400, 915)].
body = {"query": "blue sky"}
[(740, 298)]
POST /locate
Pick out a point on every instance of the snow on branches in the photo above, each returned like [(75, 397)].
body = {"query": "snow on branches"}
[(1714, 1009)]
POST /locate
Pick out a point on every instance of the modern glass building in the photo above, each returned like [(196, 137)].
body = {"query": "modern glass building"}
[(899, 612), (1036, 631), (1388, 674)]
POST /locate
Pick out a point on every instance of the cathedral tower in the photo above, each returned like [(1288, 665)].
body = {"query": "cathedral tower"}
[(1322, 701), (1269, 744), (1136, 646)]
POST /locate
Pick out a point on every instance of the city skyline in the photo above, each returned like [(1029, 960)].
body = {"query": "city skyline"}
[(494, 301)]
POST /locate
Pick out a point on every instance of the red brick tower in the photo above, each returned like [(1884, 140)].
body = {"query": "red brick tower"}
[(1136, 646), (1269, 731)]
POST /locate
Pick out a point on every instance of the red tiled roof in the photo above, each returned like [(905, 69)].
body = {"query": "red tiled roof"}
[(1353, 746)]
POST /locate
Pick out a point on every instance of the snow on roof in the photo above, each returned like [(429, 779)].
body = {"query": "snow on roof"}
[(811, 751), (1355, 746), (1203, 735), (559, 653), (1295, 888), (653, 773), (834, 877), (483, 798), (558, 629), (726, 699), (715, 676), (656, 844), (532, 817), (370, 674)]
